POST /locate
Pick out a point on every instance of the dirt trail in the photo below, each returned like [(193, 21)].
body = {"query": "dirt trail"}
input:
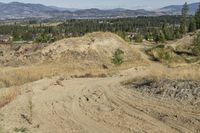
[(95, 105)]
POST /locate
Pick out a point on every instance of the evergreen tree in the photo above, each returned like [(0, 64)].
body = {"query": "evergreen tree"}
[(168, 32), (159, 36), (196, 45), (177, 34), (192, 25), (149, 36), (184, 21), (16, 36), (197, 18)]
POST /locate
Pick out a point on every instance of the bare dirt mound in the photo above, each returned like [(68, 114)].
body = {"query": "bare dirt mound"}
[(91, 49), (87, 55)]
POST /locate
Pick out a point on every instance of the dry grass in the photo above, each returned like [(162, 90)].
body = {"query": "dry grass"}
[(21, 75), (8, 96), (159, 71), (75, 56), (188, 72), (17, 76)]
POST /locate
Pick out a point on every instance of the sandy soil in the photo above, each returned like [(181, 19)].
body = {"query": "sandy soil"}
[(95, 105)]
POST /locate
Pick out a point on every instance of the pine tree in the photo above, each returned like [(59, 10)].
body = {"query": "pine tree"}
[(197, 18), (168, 32), (159, 36), (192, 25), (184, 21), (149, 36), (177, 34), (196, 45)]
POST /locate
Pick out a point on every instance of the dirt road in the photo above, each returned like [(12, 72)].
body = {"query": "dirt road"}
[(95, 105)]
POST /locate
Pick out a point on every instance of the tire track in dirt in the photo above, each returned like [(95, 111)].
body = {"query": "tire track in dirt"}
[(98, 105)]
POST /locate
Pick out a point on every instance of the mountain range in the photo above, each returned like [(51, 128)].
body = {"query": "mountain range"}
[(17, 10), (176, 9)]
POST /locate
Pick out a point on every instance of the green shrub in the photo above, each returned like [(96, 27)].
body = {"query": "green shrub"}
[(168, 32), (22, 130), (159, 36), (162, 54), (165, 55), (149, 36), (117, 58), (42, 38), (138, 38)]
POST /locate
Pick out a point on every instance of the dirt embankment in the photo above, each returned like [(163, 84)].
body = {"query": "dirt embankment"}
[(92, 49), (88, 55)]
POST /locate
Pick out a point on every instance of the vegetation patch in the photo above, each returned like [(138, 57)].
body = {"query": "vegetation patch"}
[(138, 38), (22, 129), (180, 54), (117, 58), (162, 54), (196, 45)]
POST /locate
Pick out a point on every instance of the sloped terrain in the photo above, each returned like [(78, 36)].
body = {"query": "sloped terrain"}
[(90, 55), (180, 51), (93, 49), (115, 103)]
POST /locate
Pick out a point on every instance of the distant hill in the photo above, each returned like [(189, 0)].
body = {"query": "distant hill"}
[(63, 9), (17, 10), (112, 13), (20, 10), (176, 9)]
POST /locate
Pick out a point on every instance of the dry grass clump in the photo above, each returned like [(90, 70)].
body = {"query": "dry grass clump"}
[(8, 96), (21, 75), (17, 76), (88, 56), (159, 71), (188, 72)]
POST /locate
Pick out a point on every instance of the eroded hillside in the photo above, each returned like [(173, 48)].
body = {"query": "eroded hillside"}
[(74, 56)]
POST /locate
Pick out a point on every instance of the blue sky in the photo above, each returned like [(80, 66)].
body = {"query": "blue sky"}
[(104, 4)]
